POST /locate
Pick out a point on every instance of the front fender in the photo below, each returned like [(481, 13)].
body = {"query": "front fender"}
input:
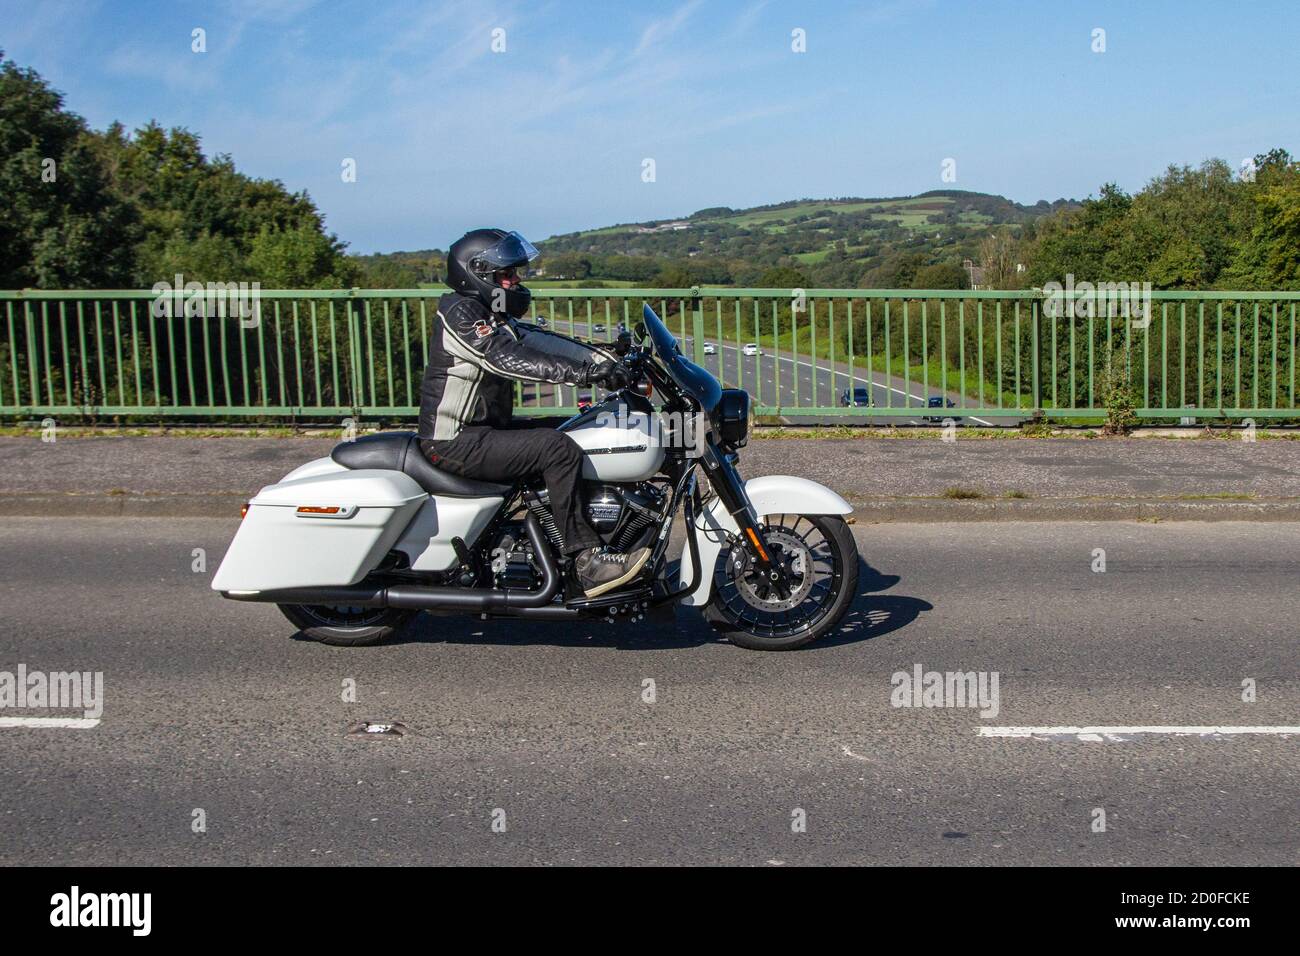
[(770, 494)]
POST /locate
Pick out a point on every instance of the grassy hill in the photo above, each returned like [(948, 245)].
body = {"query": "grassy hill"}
[(847, 242)]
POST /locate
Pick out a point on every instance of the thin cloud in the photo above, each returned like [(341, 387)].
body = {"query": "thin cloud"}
[(661, 29)]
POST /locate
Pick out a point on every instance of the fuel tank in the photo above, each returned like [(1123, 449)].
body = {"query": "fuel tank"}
[(621, 440)]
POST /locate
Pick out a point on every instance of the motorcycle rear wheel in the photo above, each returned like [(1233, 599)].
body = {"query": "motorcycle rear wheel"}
[(822, 561), (347, 626)]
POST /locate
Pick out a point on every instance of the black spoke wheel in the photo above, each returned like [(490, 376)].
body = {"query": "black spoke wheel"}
[(346, 626), (819, 562)]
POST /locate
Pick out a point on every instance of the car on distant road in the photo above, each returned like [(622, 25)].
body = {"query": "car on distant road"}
[(710, 348), (597, 328), (750, 348), (858, 397), (937, 401)]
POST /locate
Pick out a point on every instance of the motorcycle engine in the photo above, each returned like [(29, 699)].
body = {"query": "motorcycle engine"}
[(511, 557), (604, 507), (621, 514)]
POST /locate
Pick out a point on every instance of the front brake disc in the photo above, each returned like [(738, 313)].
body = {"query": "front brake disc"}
[(792, 554)]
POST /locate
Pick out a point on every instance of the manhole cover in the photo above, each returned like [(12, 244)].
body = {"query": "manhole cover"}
[(377, 728)]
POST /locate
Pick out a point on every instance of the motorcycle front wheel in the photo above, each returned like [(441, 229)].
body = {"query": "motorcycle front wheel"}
[(347, 626), (820, 559)]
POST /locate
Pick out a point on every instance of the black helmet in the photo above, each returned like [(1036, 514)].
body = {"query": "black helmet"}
[(479, 263)]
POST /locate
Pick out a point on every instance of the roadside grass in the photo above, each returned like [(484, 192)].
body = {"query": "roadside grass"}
[(963, 494), (846, 432), (763, 430)]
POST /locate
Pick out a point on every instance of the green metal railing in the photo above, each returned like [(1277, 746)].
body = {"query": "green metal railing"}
[(988, 356)]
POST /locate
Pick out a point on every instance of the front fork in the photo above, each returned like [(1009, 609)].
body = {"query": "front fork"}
[(731, 492)]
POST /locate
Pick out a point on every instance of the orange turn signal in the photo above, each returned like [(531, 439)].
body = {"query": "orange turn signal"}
[(305, 510)]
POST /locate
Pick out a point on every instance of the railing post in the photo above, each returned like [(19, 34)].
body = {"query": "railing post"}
[(354, 355), (697, 326), (1037, 336)]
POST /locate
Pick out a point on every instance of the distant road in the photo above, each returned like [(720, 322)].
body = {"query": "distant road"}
[(821, 383)]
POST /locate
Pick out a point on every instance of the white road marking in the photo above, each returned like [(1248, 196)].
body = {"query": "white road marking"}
[(68, 723), (1101, 734)]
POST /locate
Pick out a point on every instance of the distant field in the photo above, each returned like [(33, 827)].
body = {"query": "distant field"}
[(908, 211), (769, 216), (911, 213), (823, 239)]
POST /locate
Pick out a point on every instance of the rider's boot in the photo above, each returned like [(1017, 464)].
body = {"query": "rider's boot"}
[(599, 569)]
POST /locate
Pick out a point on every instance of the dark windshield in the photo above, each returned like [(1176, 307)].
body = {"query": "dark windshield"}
[(696, 382)]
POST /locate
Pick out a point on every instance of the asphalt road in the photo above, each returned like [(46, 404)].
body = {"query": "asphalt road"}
[(216, 706)]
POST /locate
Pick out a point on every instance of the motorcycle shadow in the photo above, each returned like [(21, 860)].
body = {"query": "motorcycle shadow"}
[(871, 615)]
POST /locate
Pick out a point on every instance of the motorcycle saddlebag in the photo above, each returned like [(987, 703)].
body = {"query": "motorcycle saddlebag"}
[(328, 529)]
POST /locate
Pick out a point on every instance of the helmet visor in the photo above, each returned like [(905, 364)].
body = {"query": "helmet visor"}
[(512, 250)]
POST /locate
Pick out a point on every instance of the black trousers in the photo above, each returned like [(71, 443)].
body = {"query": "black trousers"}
[(519, 451)]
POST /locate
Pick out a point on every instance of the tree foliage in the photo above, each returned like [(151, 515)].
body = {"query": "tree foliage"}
[(81, 208), (1191, 228), (61, 222)]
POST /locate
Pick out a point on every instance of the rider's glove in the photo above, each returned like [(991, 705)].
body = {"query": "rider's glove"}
[(613, 375)]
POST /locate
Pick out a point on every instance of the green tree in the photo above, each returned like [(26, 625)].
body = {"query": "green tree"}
[(295, 258), (941, 275), (783, 277), (60, 223), (1269, 258)]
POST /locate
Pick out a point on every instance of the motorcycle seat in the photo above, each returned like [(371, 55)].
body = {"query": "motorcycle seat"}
[(400, 451)]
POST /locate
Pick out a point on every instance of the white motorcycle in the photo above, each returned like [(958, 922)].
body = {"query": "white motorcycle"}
[(351, 547)]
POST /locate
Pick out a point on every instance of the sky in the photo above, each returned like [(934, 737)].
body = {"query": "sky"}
[(550, 132)]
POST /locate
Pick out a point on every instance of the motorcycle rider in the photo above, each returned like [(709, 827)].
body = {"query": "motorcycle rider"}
[(478, 349)]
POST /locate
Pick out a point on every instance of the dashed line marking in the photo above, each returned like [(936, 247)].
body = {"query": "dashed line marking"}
[(66, 723), (1118, 734)]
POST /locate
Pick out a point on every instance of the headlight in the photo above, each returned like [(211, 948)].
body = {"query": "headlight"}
[(731, 418)]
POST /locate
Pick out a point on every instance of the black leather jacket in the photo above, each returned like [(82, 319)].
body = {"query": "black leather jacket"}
[(475, 358)]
